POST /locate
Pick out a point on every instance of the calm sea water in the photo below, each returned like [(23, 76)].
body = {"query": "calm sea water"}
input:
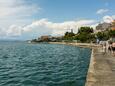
[(23, 64)]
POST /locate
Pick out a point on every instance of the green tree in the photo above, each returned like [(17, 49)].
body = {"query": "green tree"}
[(103, 35), (69, 36), (85, 30), (82, 37), (85, 34), (111, 33)]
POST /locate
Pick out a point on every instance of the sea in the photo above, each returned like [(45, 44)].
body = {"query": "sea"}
[(23, 64)]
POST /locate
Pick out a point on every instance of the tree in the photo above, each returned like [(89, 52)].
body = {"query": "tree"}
[(103, 36), (82, 37), (69, 36), (111, 33), (85, 30), (85, 34)]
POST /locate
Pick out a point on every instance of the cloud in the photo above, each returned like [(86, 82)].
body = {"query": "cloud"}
[(102, 11), (45, 27), (17, 12), (14, 31), (56, 28), (53, 25), (16, 8), (108, 19)]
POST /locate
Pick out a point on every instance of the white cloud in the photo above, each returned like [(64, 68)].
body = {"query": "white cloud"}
[(102, 11), (107, 19), (56, 28), (45, 27), (17, 12), (16, 8), (14, 31), (63, 25)]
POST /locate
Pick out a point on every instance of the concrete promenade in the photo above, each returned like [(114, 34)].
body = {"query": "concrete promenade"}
[(102, 69)]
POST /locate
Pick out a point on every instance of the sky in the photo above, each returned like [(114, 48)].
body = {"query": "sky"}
[(29, 19)]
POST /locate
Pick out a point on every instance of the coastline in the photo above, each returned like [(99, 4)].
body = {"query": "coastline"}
[(82, 45), (90, 79), (101, 71)]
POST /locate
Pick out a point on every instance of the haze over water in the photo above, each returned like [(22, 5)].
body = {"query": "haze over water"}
[(23, 64)]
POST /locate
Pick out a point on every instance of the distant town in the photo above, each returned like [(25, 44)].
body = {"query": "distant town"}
[(104, 31)]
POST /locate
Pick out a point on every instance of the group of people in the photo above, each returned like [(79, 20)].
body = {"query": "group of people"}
[(108, 46), (111, 47)]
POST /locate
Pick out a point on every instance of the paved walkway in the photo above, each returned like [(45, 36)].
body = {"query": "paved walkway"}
[(102, 69)]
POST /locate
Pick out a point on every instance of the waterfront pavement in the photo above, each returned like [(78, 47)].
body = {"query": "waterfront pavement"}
[(102, 69)]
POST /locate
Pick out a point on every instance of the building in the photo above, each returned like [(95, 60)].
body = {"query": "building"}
[(45, 38), (113, 28), (113, 25), (103, 27)]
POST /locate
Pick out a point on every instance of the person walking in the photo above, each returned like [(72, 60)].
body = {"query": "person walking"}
[(110, 46), (113, 48)]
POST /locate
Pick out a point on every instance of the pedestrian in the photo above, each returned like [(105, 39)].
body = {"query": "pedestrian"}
[(105, 46), (97, 41), (113, 48), (110, 46)]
